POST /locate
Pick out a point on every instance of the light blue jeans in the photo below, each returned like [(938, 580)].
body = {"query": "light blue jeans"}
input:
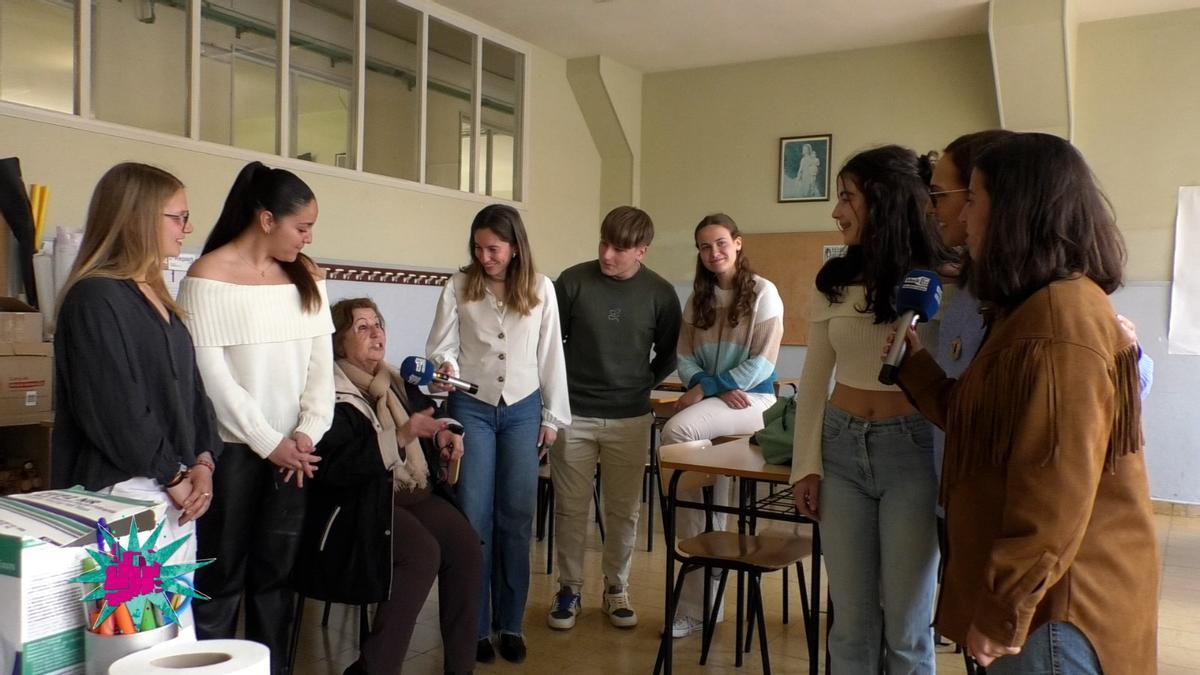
[(879, 535), (1056, 648), (497, 488)]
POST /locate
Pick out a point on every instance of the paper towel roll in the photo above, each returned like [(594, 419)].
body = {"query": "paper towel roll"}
[(206, 657)]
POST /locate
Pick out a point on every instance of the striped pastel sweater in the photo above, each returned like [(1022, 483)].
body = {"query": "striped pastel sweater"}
[(721, 357)]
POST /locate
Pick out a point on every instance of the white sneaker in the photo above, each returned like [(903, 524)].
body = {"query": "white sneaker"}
[(618, 608), (684, 626)]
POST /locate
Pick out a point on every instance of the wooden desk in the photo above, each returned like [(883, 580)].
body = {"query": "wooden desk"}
[(737, 458)]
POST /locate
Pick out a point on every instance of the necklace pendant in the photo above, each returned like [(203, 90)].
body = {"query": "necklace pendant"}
[(956, 349)]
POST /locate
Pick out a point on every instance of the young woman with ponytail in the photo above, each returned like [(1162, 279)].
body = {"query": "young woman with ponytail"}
[(259, 314)]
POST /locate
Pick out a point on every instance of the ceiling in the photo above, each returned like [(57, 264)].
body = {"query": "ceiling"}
[(657, 35)]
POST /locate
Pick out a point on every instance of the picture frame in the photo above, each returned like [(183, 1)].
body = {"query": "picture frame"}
[(804, 174)]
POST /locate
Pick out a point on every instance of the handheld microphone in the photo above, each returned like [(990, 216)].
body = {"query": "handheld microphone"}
[(917, 300), (419, 371)]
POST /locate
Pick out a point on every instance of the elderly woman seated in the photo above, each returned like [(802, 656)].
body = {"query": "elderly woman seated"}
[(381, 522)]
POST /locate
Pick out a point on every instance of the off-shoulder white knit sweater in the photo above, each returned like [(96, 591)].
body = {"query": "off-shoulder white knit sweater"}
[(267, 364)]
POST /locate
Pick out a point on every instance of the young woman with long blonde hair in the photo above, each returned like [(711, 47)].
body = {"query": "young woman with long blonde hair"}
[(132, 418)]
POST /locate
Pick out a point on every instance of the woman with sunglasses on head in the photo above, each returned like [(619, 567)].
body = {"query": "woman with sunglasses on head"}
[(962, 328), (131, 415), (1052, 556), (862, 456), (258, 311)]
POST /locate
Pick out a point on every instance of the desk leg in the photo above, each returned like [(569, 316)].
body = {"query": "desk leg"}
[(814, 595), (666, 648)]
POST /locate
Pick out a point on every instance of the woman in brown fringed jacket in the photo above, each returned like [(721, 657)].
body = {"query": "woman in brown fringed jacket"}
[(1052, 554)]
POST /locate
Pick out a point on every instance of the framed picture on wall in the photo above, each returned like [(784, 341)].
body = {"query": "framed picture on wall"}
[(804, 168)]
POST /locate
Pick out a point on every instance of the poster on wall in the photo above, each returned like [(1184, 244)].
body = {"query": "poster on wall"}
[(804, 168), (1183, 336)]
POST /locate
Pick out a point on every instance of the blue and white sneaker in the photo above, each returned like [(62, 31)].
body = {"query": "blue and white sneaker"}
[(564, 610)]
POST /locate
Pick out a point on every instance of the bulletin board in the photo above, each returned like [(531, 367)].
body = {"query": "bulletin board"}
[(791, 261)]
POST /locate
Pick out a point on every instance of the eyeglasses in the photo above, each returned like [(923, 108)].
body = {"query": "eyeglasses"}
[(934, 195), (181, 218)]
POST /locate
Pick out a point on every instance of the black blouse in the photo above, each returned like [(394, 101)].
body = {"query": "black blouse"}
[(129, 401)]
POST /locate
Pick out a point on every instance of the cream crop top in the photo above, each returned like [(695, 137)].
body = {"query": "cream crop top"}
[(843, 344)]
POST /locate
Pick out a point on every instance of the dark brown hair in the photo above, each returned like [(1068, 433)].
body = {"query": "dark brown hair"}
[(704, 295), (966, 148), (897, 235), (280, 193), (343, 319), (1048, 221), (521, 283), (627, 227)]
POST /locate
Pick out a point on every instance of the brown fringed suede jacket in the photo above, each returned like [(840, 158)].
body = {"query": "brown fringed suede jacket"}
[(1047, 503)]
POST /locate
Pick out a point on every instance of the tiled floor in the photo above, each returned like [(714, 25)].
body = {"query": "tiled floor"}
[(594, 646)]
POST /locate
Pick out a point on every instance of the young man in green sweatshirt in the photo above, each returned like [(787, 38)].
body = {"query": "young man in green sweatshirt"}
[(620, 324)]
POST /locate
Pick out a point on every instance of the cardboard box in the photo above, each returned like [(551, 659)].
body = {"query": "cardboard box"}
[(26, 381), (41, 549), (19, 322)]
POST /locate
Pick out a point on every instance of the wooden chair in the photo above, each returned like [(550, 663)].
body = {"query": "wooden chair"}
[(754, 555)]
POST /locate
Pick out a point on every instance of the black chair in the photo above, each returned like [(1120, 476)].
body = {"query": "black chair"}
[(545, 511)]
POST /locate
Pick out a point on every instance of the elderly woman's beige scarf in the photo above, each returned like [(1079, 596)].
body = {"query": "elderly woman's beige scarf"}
[(409, 472)]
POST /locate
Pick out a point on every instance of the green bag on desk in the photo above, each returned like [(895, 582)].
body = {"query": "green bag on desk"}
[(775, 438)]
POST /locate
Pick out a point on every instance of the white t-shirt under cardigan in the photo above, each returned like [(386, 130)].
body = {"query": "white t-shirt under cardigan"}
[(266, 363), (507, 355)]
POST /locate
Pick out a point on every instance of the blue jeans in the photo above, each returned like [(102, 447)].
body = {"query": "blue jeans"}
[(879, 536), (497, 487), (1056, 648)]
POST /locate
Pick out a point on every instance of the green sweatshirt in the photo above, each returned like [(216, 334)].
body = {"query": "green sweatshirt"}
[(619, 338)]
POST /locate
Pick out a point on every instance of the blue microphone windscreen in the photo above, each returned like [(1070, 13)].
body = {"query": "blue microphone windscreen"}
[(417, 371), (920, 292)]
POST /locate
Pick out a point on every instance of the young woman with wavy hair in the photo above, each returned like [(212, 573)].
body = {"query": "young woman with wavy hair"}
[(862, 456), (728, 345)]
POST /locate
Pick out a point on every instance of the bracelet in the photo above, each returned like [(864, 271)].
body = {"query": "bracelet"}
[(183, 473), (200, 461)]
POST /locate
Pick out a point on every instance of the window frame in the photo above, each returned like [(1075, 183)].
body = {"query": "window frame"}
[(84, 118)]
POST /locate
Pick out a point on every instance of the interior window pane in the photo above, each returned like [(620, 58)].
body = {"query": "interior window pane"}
[(393, 102), (139, 73), (450, 90), (37, 53), (322, 80), (500, 133), (238, 66)]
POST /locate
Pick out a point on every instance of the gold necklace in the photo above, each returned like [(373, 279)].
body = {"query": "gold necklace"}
[(262, 273)]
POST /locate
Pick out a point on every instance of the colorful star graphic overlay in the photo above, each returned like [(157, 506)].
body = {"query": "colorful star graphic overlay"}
[(138, 574)]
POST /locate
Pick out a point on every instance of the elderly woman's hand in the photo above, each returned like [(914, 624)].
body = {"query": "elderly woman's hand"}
[(422, 425)]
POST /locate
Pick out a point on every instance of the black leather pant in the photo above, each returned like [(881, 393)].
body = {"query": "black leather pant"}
[(253, 531)]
